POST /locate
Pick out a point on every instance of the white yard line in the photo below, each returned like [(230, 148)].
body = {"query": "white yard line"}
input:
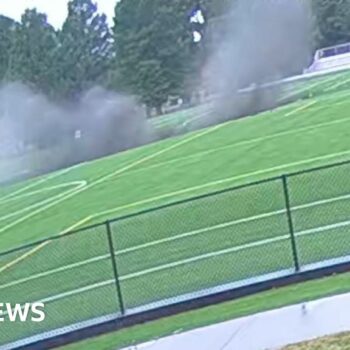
[(194, 233)]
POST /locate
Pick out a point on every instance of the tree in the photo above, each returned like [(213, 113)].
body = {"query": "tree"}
[(86, 48), (33, 44), (332, 22), (7, 27), (153, 48)]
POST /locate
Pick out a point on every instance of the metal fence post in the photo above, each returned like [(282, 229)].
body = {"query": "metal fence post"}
[(115, 269), (290, 223)]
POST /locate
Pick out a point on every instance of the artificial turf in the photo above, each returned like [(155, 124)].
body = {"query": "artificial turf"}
[(185, 248)]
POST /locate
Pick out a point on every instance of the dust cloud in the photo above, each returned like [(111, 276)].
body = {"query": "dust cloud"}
[(258, 42), (39, 136)]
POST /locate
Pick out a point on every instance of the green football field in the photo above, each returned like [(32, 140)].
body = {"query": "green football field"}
[(186, 248)]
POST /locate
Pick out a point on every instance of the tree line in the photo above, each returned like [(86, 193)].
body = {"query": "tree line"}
[(149, 52)]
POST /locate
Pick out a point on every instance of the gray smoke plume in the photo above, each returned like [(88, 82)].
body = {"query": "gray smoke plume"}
[(37, 135), (260, 41)]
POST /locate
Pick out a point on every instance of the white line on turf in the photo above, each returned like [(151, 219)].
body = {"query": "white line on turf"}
[(308, 87), (45, 189), (132, 165), (40, 246), (142, 160), (236, 249), (335, 86), (77, 191), (189, 261), (89, 287), (78, 184), (70, 293), (58, 199), (63, 197), (229, 224), (239, 144), (222, 181), (36, 183), (191, 234)]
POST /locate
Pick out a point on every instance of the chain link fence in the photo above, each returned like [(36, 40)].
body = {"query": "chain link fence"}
[(179, 252)]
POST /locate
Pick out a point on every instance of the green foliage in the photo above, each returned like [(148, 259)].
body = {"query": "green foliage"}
[(153, 47), (149, 53), (217, 8), (7, 26), (33, 48), (85, 49), (59, 63), (332, 22)]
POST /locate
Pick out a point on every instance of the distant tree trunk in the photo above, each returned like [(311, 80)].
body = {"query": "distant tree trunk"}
[(148, 111), (159, 110)]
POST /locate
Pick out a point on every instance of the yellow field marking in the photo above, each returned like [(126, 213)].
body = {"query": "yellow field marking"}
[(220, 182), (130, 166), (171, 194), (107, 177), (42, 245), (301, 108), (140, 161), (156, 154), (240, 144), (152, 156)]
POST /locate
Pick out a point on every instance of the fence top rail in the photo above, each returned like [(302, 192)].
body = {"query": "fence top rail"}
[(229, 189), (195, 198), (173, 204), (319, 168)]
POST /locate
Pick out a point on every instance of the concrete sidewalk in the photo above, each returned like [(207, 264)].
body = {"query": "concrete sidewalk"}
[(267, 330)]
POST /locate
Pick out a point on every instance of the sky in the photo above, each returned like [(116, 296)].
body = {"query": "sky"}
[(56, 10)]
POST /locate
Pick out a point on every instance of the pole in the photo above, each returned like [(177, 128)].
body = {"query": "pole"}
[(290, 223), (115, 269)]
